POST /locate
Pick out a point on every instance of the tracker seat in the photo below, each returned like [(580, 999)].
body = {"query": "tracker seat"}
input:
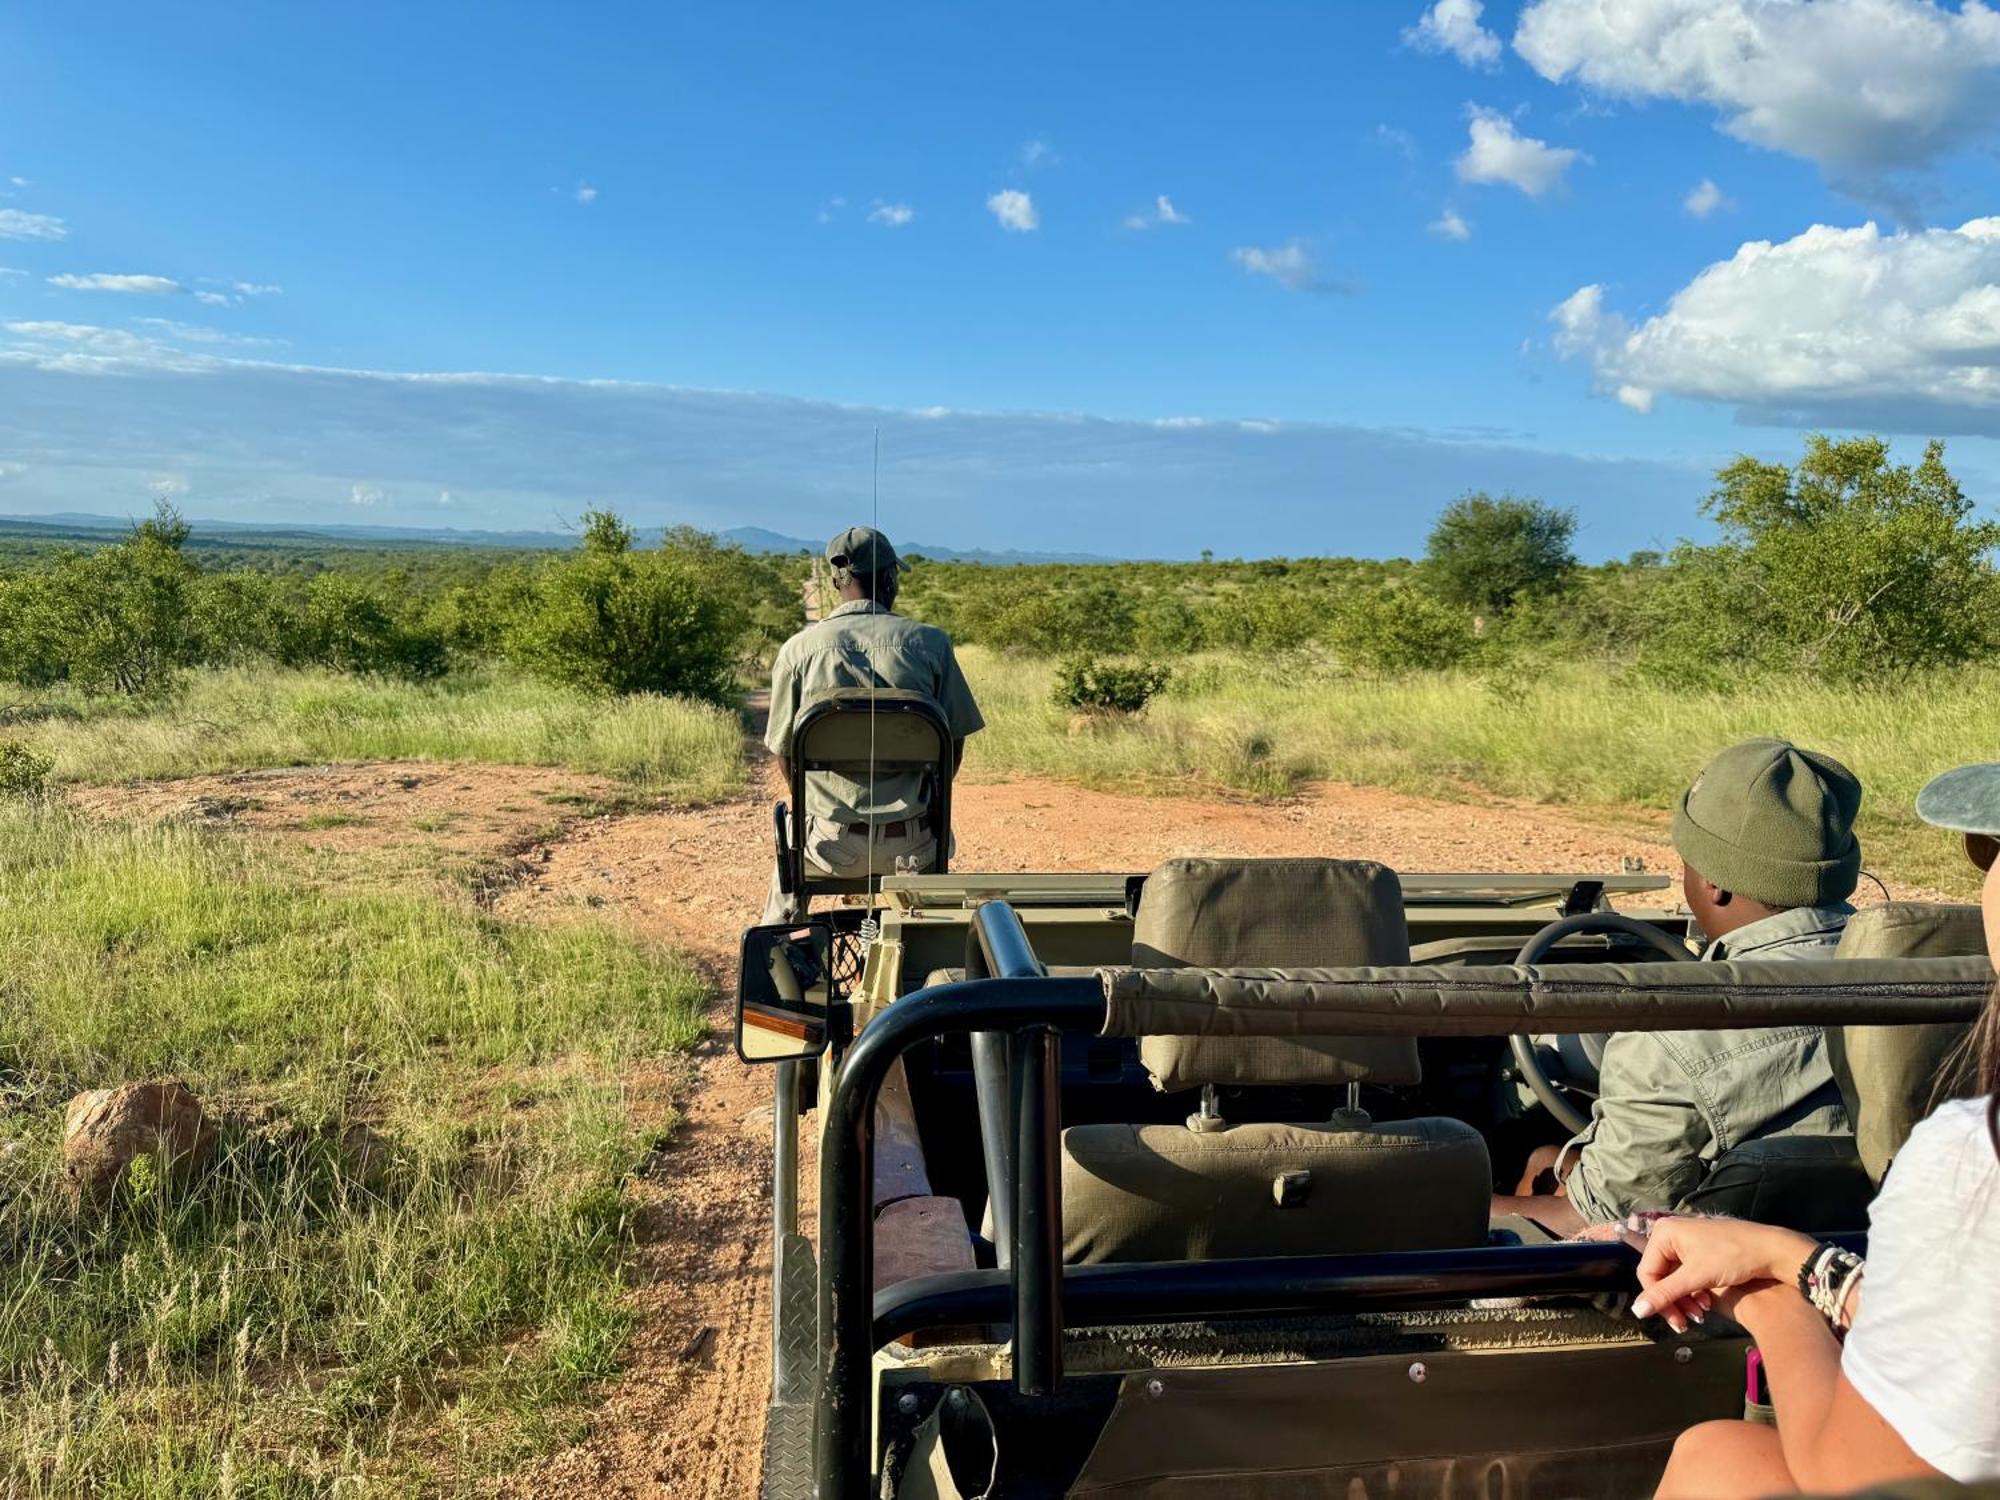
[(1211, 1189), (1890, 1077), (861, 734)]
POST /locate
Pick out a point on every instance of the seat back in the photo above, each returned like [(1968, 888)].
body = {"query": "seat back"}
[(1890, 1077), (1811, 1183), (863, 733), (1273, 913), (1212, 1189)]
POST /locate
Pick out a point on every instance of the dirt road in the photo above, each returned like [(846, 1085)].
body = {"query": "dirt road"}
[(686, 1420)]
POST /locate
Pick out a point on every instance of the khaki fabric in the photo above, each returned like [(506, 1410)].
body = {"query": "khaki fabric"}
[(863, 645), (955, 1453), (1892, 1076), (1504, 999), (1165, 1192), (1202, 913)]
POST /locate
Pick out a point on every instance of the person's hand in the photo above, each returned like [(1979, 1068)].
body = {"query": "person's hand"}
[(1689, 1264)]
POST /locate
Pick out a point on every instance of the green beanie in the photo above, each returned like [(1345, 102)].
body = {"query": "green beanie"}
[(1773, 822)]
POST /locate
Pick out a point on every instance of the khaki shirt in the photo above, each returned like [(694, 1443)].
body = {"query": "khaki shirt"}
[(1671, 1102), (860, 645)]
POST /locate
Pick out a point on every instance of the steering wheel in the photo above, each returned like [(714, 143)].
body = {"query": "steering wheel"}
[(1533, 952)]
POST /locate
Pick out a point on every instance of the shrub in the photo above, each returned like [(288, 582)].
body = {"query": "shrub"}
[(1093, 686), (349, 627), (612, 619), (1484, 554), (1264, 616), (1387, 632), (22, 772)]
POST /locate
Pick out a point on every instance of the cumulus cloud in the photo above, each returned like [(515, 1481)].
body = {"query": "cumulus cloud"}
[(1162, 212), (1015, 210), (17, 225), (1858, 86), (169, 486), (1704, 199), (366, 494), (894, 215), (1292, 265), (104, 281), (256, 289), (1834, 325), (1496, 152), (1449, 225), (585, 194), (85, 348), (1453, 26)]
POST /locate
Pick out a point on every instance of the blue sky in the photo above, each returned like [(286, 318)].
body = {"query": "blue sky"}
[(1264, 278)]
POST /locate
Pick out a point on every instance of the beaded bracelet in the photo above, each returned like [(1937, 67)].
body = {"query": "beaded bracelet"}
[(1825, 1279)]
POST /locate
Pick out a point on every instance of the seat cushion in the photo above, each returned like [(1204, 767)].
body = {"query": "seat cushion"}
[(1890, 1077), (1273, 913), (1165, 1192)]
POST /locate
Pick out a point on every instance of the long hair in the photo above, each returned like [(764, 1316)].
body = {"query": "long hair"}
[(1985, 1043)]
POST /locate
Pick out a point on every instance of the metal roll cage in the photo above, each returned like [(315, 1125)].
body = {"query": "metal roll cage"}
[(1016, 1014)]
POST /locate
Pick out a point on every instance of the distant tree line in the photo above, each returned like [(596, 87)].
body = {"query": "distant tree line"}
[(130, 617), (1844, 567)]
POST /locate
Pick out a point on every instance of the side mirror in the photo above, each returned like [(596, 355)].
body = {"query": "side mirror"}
[(781, 992)]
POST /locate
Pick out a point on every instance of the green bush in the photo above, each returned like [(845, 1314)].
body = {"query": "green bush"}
[(1265, 616), (349, 627), (1093, 686), (22, 772), (1388, 632), (612, 619)]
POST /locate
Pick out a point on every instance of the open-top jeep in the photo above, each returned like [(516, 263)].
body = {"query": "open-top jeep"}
[(1179, 1185)]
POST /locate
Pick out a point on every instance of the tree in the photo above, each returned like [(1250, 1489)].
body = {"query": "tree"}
[(1484, 553), (1858, 567)]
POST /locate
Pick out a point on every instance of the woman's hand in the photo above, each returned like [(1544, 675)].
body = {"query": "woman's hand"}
[(1689, 1264)]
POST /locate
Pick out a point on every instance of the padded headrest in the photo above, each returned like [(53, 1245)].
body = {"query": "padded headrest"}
[(1913, 929), (1890, 1077), (1281, 913)]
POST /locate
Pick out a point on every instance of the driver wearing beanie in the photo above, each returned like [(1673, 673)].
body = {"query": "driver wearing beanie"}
[(1766, 839)]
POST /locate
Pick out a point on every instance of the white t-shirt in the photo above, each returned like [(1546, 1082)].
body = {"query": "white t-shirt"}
[(1925, 1349)]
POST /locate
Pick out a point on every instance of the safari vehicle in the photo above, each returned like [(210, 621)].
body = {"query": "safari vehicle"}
[(1178, 1184)]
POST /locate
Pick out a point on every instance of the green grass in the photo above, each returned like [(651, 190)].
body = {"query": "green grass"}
[(1569, 733), (260, 717), (407, 1307)]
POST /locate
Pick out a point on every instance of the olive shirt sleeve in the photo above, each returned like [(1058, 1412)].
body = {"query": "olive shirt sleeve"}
[(1647, 1136), (784, 701)]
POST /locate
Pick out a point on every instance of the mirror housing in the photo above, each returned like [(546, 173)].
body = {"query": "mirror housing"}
[(782, 991)]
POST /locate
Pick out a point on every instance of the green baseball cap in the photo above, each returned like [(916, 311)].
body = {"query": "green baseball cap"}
[(863, 550), (1965, 799), (1773, 822)]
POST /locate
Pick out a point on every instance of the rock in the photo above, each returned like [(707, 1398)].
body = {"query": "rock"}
[(105, 1130)]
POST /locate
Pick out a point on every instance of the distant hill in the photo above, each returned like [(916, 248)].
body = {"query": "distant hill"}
[(757, 539), (83, 527)]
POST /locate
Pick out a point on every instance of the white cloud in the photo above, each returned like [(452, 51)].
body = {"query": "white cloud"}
[(16, 225), (1705, 198), (1015, 210), (584, 194), (1039, 153), (894, 215), (1449, 225), (169, 486), (1858, 86), (1162, 212), (105, 281), (11, 271), (1836, 325), (212, 299), (1399, 141), (84, 348), (256, 289), (18, 181), (194, 333), (366, 494), (1496, 152), (1453, 26), (1292, 265)]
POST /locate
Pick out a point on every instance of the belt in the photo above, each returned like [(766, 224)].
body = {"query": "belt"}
[(893, 830)]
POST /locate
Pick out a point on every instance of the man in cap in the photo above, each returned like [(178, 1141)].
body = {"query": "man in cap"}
[(1769, 856), (852, 828)]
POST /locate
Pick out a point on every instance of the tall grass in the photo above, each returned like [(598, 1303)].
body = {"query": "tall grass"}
[(263, 716), (1566, 733), (406, 1261)]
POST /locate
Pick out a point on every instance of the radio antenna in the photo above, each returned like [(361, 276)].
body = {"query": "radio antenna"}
[(871, 928)]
